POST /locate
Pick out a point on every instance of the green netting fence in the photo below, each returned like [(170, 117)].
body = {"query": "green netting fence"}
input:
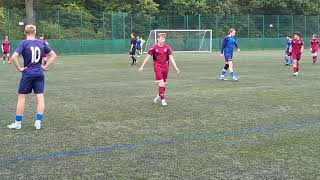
[(109, 32)]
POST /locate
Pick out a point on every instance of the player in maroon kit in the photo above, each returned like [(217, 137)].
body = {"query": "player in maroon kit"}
[(314, 46), (297, 46), (161, 54), (6, 50), (44, 55)]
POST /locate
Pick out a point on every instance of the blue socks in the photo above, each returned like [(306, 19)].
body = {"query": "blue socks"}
[(232, 74), (223, 73), (19, 118), (287, 60), (39, 117)]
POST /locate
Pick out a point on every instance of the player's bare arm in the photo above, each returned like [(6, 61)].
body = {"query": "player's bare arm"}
[(16, 62), (174, 64), (302, 48), (52, 57), (144, 62)]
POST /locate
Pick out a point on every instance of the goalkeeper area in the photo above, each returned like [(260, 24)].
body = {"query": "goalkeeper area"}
[(194, 41), (100, 122)]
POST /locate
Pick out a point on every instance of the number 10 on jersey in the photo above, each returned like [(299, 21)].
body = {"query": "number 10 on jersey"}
[(35, 54)]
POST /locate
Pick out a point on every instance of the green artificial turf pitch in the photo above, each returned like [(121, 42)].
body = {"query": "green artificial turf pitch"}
[(100, 122)]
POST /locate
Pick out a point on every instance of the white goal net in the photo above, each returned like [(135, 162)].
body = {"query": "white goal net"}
[(183, 40)]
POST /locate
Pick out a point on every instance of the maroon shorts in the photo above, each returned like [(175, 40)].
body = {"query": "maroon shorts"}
[(296, 56), (161, 73), (314, 50), (5, 52)]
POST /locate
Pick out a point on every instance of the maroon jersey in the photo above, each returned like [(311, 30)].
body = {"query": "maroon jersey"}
[(296, 45), (160, 54), (6, 46), (314, 44), (44, 42)]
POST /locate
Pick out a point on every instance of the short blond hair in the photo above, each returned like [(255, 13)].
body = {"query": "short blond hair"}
[(30, 29)]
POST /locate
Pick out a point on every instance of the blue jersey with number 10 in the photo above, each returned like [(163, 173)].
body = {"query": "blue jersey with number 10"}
[(32, 51)]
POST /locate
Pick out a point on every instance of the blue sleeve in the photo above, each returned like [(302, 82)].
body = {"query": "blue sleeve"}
[(47, 49), (20, 48), (236, 44), (224, 44)]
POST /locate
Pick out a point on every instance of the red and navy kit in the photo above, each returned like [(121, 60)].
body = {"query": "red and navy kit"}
[(314, 45), (6, 47), (296, 48), (161, 60)]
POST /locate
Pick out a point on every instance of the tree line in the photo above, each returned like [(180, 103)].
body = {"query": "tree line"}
[(178, 7)]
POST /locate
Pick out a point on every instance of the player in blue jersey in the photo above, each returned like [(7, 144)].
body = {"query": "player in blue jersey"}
[(138, 45), (229, 42), (32, 78), (287, 54)]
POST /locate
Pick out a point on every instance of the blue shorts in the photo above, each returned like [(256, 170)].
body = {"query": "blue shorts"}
[(286, 52), (27, 84), (228, 57)]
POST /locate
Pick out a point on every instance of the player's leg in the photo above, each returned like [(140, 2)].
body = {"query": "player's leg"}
[(19, 112), (291, 61), (8, 56), (286, 57), (38, 87), (138, 52), (314, 56), (161, 78), (4, 58), (25, 87), (224, 71), (295, 67), (230, 63)]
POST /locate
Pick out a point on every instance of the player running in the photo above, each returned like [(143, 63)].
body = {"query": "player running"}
[(5, 46), (161, 54), (229, 42), (32, 74), (296, 49), (314, 46), (133, 48), (287, 54), (44, 55)]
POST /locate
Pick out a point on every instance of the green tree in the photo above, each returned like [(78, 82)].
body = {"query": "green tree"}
[(191, 7)]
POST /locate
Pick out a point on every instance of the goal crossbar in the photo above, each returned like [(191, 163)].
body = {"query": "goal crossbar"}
[(202, 39)]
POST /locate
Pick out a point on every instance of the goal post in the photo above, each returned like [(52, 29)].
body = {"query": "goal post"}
[(194, 41)]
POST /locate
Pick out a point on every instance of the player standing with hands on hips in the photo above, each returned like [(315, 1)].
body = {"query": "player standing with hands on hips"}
[(161, 54), (229, 42), (32, 78)]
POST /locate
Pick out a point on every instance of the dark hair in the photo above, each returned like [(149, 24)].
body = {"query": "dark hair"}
[(289, 36), (297, 33), (134, 35), (315, 35)]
